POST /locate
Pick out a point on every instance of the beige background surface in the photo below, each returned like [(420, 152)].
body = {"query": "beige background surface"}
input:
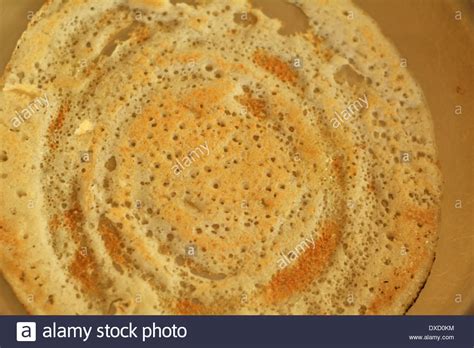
[(440, 53)]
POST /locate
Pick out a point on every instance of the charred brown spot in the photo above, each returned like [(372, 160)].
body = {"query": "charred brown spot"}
[(111, 237), (59, 122), (256, 107), (339, 169), (321, 50), (83, 268), (424, 216), (54, 223), (203, 100), (56, 125), (307, 267), (187, 307), (73, 219), (276, 66)]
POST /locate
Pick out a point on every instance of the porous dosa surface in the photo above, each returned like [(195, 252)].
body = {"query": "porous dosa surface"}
[(141, 84)]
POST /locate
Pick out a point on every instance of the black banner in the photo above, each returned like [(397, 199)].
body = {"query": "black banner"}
[(236, 331)]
